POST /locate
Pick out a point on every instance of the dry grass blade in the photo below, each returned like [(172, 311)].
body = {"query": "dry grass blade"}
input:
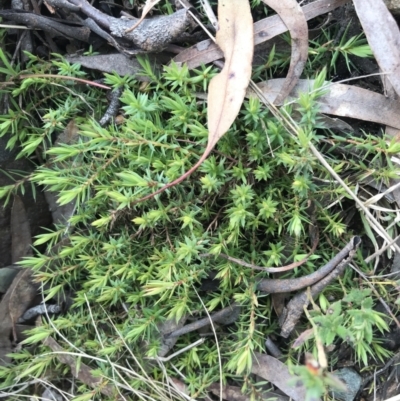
[(226, 90), (81, 371), (210, 13), (120, 376), (293, 17), (383, 36)]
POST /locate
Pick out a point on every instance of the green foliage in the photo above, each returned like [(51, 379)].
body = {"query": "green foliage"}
[(353, 319), (138, 264), (325, 48), (325, 51)]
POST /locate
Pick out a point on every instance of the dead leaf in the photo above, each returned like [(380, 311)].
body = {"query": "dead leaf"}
[(7, 275), (293, 17), (383, 36), (227, 89), (69, 136), (20, 231), (15, 302), (276, 372), (146, 9), (179, 386), (344, 100), (22, 290), (233, 393), (206, 51)]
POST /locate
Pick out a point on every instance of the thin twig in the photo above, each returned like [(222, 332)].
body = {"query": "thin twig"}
[(297, 303), (273, 286), (198, 21), (279, 269), (169, 357)]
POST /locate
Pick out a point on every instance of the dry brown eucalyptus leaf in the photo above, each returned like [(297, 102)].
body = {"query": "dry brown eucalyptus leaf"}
[(22, 290), (383, 36), (344, 100), (293, 17), (227, 90), (206, 51), (15, 302), (120, 63), (276, 372)]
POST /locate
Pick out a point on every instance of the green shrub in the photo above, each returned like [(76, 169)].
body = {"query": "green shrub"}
[(130, 266)]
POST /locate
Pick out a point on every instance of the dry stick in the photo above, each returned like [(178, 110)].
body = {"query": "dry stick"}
[(273, 286), (84, 81), (224, 316), (113, 107), (301, 300)]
